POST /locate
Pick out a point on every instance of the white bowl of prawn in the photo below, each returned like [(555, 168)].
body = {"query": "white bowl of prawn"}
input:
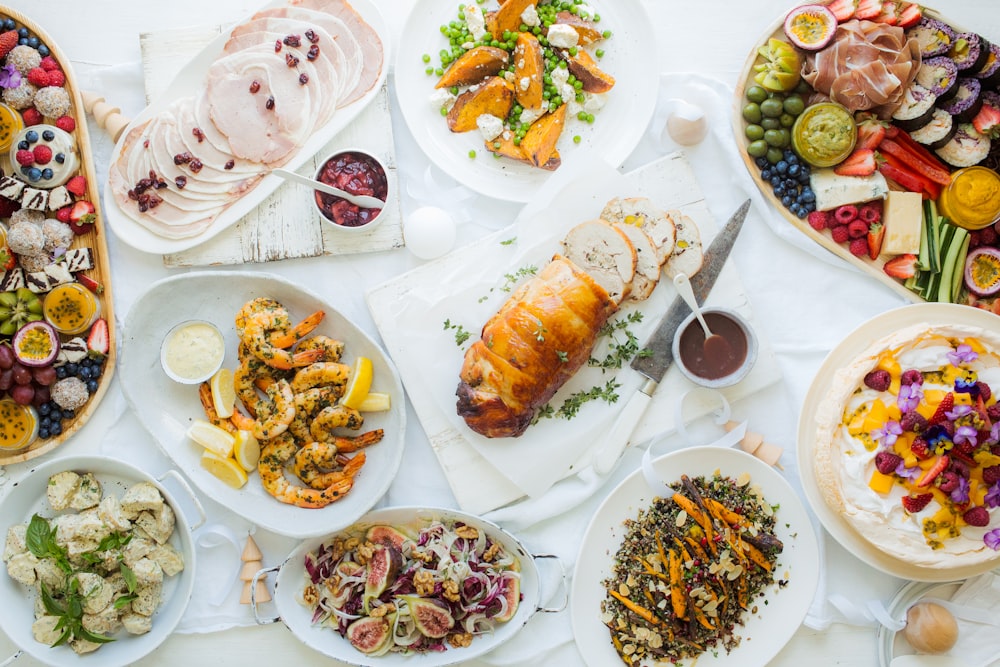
[(166, 408), (536, 589), (27, 496)]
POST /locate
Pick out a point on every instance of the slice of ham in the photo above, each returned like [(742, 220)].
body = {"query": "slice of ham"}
[(197, 143)]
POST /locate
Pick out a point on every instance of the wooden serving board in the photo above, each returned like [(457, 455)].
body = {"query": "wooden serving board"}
[(286, 225), (94, 240)]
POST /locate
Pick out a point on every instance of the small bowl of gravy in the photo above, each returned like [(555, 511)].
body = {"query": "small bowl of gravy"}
[(715, 365), (359, 173)]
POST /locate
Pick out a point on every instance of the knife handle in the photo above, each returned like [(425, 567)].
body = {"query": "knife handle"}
[(620, 434)]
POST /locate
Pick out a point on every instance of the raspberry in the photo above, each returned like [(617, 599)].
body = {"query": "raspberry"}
[(859, 247), (947, 481), (886, 462), (879, 380), (43, 154), (49, 64), (819, 220), (25, 158), (964, 448), (977, 516), (975, 239), (991, 475), (38, 77), (31, 116), (993, 412), (839, 233), (57, 78), (914, 504), (871, 212), (77, 185), (856, 229), (920, 448), (913, 421), (66, 123), (984, 391), (988, 236), (846, 213), (911, 376)]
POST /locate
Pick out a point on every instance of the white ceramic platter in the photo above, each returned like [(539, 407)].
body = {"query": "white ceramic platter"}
[(190, 80), (630, 56), (167, 408), (778, 614), (841, 356), (291, 580), (27, 497)]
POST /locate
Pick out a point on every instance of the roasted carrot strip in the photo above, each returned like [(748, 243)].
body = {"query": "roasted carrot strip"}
[(723, 513), (637, 608), (702, 619), (677, 593), (756, 556)]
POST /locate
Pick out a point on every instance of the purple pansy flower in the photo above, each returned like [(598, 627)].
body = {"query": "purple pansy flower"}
[(962, 354), (992, 539), (9, 77), (889, 434), (909, 397), (961, 493)]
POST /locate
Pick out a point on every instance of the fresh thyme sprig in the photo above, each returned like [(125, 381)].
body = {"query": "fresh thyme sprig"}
[(620, 352), (461, 334), (571, 406)]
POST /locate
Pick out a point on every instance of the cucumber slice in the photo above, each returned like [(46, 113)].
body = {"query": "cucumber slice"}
[(957, 279), (957, 239)]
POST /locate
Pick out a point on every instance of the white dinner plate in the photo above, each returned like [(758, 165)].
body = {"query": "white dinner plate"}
[(778, 614), (630, 56), (190, 80), (841, 356), (166, 408)]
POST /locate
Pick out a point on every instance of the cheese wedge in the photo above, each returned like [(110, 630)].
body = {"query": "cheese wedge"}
[(903, 217)]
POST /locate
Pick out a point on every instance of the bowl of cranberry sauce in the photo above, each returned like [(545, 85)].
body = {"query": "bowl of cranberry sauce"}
[(359, 173)]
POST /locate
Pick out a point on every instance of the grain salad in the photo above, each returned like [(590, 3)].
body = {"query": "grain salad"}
[(690, 568)]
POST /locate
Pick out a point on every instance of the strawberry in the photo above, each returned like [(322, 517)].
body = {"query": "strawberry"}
[(887, 14), (31, 116), (987, 121), (909, 15), (38, 77), (66, 123), (920, 448), (946, 404), (931, 473), (876, 234), (868, 9), (914, 504), (7, 258), (902, 266), (62, 215), (90, 283), (977, 516), (81, 217), (858, 247), (98, 339), (871, 132), (859, 163), (57, 78), (842, 9), (77, 185), (49, 64), (8, 41)]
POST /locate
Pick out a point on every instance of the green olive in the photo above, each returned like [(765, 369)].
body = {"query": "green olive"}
[(770, 123), (794, 105), (786, 120), (786, 137), (756, 94), (755, 132), (803, 88), (758, 148), (773, 138), (774, 155), (751, 113), (772, 107)]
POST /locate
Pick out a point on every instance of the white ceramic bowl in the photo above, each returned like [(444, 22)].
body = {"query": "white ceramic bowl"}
[(374, 222), (27, 497), (208, 371), (735, 376)]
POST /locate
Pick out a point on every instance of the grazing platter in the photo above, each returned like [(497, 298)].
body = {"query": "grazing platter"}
[(210, 157), (603, 104), (56, 308), (892, 168), (185, 421)]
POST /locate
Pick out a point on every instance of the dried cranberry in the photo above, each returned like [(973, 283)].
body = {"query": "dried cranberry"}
[(145, 144), (143, 203), (293, 40), (195, 165), (358, 174), (198, 134), (270, 102), (291, 60), (277, 45), (183, 158), (303, 78), (160, 184), (313, 53), (181, 181), (254, 86), (879, 380), (154, 201), (229, 164), (312, 36), (132, 195)]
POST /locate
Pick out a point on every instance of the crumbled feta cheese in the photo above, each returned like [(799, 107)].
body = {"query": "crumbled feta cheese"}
[(560, 79), (509, 76), (585, 11), (529, 116), (441, 98), (468, 45), (529, 16), (490, 126), (474, 19), (525, 82), (594, 101), (562, 36)]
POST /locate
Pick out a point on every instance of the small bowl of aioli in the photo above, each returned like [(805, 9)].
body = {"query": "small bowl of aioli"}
[(192, 352), (694, 358)]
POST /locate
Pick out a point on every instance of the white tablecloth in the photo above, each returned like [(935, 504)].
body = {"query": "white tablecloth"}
[(803, 304)]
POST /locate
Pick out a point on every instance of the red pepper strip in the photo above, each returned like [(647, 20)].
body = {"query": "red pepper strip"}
[(898, 171), (906, 141), (940, 176)]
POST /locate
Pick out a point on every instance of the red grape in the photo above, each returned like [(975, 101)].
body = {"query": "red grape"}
[(44, 375), (22, 394), (6, 357), (22, 375), (6, 379), (42, 395)]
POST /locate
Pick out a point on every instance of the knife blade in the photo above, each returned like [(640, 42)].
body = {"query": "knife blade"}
[(654, 365)]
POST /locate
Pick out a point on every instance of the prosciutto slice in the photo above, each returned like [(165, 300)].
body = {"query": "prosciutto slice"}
[(867, 67)]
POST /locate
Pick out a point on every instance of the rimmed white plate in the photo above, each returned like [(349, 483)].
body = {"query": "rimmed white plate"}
[(779, 613), (166, 408), (190, 80), (841, 356), (630, 56)]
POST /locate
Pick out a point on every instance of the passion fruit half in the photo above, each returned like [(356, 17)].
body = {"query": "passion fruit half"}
[(36, 344), (810, 27), (982, 271)]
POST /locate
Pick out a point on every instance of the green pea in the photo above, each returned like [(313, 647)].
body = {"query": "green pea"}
[(472, 154), (577, 139), (599, 53), (426, 58)]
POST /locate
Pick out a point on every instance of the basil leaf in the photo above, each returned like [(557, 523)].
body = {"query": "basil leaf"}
[(65, 637), (83, 633), (129, 576), (124, 601), (75, 608), (50, 604), (38, 537)]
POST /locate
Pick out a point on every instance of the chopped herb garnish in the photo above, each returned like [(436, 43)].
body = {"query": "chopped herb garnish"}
[(461, 335)]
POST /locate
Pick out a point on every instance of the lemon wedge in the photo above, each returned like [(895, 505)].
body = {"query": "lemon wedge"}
[(211, 437), (223, 393), (246, 450), (375, 402), (359, 384), (225, 468)]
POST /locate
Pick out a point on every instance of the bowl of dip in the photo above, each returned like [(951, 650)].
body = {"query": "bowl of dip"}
[(824, 134), (972, 198), (18, 426), (356, 171), (192, 351), (707, 366)]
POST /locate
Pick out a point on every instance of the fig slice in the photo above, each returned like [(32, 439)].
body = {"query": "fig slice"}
[(982, 271), (383, 566), (36, 344), (370, 635), (512, 593), (387, 536), (810, 27), (431, 616)]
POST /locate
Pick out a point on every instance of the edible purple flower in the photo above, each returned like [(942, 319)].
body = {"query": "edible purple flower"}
[(992, 497), (967, 385), (910, 474), (938, 439), (889, 434), (909, 397), (992, 539), (966, 434), (962, 354), (961, 493), (958, 411), (9, 77), (994, 434)]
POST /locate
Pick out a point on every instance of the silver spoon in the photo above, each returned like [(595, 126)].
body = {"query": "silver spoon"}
[(364, 201), (715, 345)]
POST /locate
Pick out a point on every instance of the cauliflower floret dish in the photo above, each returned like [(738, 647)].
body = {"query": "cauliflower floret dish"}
[(94, 568)]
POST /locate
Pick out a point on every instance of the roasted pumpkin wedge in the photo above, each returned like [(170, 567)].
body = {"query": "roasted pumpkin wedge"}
[(473, 66), (585, 28), (507, 148), (585, 69), (495, 97), (507, 18), (529, 69), (539, 142)]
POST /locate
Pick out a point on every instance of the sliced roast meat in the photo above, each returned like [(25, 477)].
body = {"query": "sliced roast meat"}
[(605, 254), (687, 256), (647, 266), (196, 142), (656, 222)]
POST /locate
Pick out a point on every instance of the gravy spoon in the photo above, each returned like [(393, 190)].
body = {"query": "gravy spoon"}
[(715, 346)]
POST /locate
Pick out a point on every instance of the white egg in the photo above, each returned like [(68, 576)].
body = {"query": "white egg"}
[(686, 124), (429, 232)]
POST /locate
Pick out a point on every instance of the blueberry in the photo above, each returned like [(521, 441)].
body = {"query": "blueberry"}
[(786, 200), (43, 50), (60, 157), (86, 362), (33, 42), (86, 373), (61, 372), (8, 24), (766, 174), (794, 170), (56, 429), (68, 414), (24, 169), (92, 386), (779, 191), (792, 158), (34, 174), (22, 41), (810, 206), (47, 173), (791, 184), (56, 415), (23, 145), (44, 409), (95, 371), (71, 368), (45, 422), (48, 135), (781, 167), (802, 212), (43, 432), (775, 180), (22, 32), (31, 136), (808, 196), (761, 162), (795, 208)]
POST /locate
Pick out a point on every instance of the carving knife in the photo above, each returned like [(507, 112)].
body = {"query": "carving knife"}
[(654, 365)]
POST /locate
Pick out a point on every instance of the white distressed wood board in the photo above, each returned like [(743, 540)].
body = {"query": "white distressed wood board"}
[(477, 484), (286, 225)]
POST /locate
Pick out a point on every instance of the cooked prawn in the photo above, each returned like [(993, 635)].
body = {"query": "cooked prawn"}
[(258, 343), (315, 457), (271, 467), (332, 417), (281, 412), (307, 404), (261, 304), (205, 394), (314, 477), (332, 348), (294, 334), (321, 374), (250, 370)]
